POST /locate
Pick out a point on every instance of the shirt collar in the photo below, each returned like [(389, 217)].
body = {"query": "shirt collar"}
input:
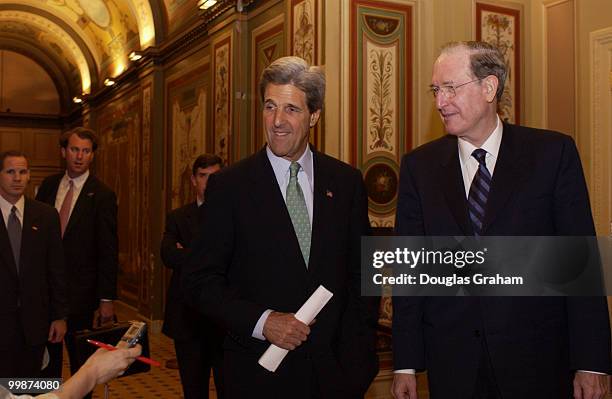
[(77, 181), (7, 206), (491, 144), (281, 165)]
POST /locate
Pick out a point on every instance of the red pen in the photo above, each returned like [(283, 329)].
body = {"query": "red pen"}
[(112, 348)]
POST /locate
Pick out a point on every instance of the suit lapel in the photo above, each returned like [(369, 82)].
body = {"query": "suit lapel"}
[(265, 191), (6, 252), (451, 181), (86, 195), (30, 226), (191, 220), (50, 198), (508, 170), (322, 212)]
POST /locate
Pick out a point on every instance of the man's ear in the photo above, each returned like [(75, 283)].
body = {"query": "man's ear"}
[(63, 152), (314, 117), (491, 83), (194, 183)]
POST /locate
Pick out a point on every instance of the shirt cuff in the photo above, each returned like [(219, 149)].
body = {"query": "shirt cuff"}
[(405, 371), (258, 330), (105, 300), (592, 372)]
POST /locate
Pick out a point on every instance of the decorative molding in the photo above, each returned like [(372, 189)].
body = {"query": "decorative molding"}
[(222, 97), (601, 124), (501, 26), (267, 44)]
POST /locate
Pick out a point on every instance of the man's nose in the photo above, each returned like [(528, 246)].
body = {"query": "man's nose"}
[(278, 117), (441, 100)]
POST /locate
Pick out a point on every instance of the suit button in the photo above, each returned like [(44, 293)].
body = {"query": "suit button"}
[(477, 333)]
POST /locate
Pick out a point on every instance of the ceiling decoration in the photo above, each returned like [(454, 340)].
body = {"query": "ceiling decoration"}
[(53, 38), (85, 40)]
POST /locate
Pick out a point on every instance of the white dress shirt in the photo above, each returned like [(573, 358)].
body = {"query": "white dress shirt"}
[(63, 188), (306, 181), (6, 207)]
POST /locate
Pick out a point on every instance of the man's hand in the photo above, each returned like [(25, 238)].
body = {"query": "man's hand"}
[(107, 311), (57, 330), (590, 385), (404, 386), (179, 246), (285, 331)]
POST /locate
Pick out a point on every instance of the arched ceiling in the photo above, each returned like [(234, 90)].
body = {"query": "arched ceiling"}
[(87, 38)]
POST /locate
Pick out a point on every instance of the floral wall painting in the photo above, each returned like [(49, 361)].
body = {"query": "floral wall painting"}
[(381, 99), (188, 127), (221, 93), (501, 27), (304, 30), (382, 102)]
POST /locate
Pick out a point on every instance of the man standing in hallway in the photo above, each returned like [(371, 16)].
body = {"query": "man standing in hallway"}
[(492, 178), (88, 217), (197, 340), (276, 225), (33, 295)]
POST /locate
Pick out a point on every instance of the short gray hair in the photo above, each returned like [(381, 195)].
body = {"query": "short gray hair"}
[(485, 60), (297, 72)]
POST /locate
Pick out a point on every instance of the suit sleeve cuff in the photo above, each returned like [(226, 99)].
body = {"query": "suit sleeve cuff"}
[(405, 371), (258, 330)]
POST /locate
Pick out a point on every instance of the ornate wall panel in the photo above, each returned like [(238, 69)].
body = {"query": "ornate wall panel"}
[(267, 44), (121, 165), (304, 42), (144, 251), (222, 96), (187, 125), (304, 29), (381, 99), (501, 27)]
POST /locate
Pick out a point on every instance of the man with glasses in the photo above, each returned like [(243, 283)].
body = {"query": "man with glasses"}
[(88, 217), (488, 177)]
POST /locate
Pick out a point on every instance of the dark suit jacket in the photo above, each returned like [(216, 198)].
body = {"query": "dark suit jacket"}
[(182, 321), (37, 296), (535, 344), (90, 242), (247, 259)]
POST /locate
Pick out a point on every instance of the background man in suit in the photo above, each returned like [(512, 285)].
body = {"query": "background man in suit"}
[(32, 274), (197, 341), (276, 226), (492, 178), (88, 217)]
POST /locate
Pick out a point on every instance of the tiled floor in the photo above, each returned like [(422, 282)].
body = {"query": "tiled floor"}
[(160, 382)]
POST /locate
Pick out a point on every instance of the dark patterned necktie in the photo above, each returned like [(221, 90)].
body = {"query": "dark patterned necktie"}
[(13, 228), (479, 192)]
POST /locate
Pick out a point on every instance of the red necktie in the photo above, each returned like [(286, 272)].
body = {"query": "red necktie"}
[(66, 206)]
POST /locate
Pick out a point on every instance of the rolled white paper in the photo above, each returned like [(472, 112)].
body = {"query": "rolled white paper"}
[(273, 356)]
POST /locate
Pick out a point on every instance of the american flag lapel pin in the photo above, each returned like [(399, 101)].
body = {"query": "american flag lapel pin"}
[(329, 194), (90, 194)]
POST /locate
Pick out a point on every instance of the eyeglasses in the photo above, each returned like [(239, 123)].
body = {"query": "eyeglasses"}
[(449, 91)]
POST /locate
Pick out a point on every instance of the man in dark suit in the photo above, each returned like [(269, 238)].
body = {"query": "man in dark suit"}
[(197, 341), (492, 178), (88, 217), (32, 273), (276, 226)]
